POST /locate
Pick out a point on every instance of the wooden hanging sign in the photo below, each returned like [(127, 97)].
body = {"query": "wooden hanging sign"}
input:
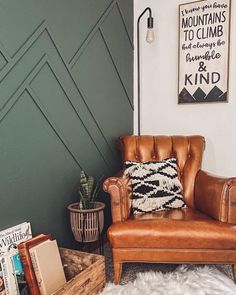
[(204, 37)]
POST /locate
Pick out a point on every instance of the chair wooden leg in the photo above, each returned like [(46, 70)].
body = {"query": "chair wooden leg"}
[(117, 272), (234, 272)]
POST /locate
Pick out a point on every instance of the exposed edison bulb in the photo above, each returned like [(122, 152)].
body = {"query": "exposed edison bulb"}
[(150, 37)]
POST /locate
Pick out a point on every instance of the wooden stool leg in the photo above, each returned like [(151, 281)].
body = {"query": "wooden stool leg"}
[(117, 272), (234, 272)]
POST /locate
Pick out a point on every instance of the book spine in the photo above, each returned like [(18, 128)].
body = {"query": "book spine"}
[(29, 271), (37, 273), (27, 263)]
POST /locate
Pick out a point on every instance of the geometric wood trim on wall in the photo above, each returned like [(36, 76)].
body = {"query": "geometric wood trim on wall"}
[(68, 67)]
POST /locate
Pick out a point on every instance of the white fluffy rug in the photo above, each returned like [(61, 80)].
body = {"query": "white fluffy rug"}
[(185, 280)]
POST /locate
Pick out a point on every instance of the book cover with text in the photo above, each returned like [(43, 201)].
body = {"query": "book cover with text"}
[(11, 237)]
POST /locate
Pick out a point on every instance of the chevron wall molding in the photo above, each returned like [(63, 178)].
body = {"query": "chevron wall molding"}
[(66, 82)]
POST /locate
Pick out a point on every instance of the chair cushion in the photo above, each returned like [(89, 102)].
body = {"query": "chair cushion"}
[(178, 229), (155, 185)]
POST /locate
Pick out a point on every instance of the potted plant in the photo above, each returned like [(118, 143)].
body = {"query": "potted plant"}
[(86, 215)]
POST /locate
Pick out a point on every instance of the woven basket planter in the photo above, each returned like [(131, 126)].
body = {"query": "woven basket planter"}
[(87, 224)]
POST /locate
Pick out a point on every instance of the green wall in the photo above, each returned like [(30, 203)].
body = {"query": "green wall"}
[(65, 96)]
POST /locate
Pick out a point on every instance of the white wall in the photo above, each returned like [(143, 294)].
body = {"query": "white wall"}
[(160, 113)]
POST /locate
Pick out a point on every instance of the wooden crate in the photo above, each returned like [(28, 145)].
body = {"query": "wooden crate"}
[(85, 273)]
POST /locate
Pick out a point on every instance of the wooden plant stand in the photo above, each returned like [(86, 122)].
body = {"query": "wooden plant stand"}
[(87, 224)]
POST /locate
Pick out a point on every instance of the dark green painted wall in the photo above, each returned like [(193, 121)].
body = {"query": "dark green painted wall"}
[(65, 96)]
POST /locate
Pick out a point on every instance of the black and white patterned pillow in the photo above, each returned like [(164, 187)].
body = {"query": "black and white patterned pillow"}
[(155, 185)]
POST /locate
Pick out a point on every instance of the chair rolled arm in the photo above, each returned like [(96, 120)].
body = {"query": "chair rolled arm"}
[(216, 196), (120, 190)]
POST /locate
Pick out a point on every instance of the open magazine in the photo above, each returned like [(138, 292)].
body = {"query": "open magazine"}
[(11, 237)]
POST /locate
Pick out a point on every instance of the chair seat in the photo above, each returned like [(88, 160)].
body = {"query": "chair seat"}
[(173, 229)]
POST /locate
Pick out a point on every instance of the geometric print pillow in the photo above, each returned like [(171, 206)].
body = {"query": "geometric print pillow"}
[(155, 185)]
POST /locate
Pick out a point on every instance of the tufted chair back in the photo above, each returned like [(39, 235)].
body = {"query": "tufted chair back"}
[(187, 150)]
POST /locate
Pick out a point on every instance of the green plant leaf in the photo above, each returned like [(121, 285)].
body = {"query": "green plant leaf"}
[(84, 184), (90, 186), (97, 188)]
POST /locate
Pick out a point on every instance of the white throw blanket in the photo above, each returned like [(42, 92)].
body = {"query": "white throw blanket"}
[(185, 280)]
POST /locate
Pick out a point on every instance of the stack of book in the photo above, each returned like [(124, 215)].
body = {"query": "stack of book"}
[(29, 266)]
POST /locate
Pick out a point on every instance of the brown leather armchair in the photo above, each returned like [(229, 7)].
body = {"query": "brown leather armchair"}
[(205, 232)]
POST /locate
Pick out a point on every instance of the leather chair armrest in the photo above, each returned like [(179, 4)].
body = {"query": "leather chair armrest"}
[(216, 196), (120, 190)]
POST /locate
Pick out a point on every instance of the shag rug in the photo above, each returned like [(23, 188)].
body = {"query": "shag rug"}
[(184, 280)]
